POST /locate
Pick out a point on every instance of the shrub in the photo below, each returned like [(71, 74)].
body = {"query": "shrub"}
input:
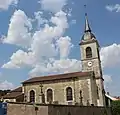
[(116, 107)]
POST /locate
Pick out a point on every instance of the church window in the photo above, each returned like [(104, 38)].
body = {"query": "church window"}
[(69, 95), (88, 52), (32, 96), (49, 95), (97, 92)]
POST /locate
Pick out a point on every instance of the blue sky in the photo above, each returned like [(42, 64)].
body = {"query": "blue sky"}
[(40, 37)]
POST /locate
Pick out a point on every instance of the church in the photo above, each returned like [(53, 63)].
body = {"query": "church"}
[(79, 88)]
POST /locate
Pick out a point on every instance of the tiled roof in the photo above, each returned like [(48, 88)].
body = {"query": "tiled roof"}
[(19, 89), (57, 77), (13, 94)]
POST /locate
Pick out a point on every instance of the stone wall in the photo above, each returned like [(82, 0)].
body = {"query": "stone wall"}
[(59, 90), (29, 109), (77, 110), (26, 109)]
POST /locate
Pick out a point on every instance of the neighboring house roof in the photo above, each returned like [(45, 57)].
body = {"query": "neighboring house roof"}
[(14, 93), (110, 97), (57, 77), (117, 97)]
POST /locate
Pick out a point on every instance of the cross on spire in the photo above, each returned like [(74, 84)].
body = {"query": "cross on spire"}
[(87, 26)]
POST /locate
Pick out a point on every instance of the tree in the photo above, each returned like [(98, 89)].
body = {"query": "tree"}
[(116, 107), (4, 92)]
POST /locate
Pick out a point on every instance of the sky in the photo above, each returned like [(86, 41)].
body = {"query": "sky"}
[(41, 37)]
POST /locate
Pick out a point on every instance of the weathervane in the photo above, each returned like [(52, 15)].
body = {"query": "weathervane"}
[(85, 6)]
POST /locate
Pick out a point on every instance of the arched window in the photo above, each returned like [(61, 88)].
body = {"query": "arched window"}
[(69, 96), (49, 95), (97, 92), (88, 52), (32, 96)]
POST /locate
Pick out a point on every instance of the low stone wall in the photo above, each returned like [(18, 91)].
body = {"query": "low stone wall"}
[(39, 109), (77, 110), (26, 109)]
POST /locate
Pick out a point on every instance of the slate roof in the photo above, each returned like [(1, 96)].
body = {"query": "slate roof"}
[(57, 77)]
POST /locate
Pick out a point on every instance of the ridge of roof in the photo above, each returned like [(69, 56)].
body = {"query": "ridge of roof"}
[(18, 89), (56, 77)]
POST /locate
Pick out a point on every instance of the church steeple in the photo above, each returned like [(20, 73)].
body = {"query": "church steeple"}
[(90, 60), (88, 35), (87, 26)]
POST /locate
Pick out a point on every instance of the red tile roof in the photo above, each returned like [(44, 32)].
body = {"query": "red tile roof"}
[(13, 94), (117, 97), (57, 77), (19, 89)]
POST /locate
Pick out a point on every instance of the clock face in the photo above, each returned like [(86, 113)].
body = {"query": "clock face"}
[(89, 63)]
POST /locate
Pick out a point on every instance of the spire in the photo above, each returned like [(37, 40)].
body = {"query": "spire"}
[(87, 26), (88, 35)]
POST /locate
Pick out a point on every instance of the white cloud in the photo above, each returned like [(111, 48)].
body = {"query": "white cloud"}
[(110, 55), (53, 5), (65, 45), (47, 43), (6, 85), (20, 59), (115, 7), (40, 19), (68, 65), (18, 31), (4, 4), (107, 79), (57, 66), (44, 45), (44, 41), (47, 49)]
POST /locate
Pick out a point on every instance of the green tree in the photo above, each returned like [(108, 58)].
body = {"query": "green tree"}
[(116, 107)]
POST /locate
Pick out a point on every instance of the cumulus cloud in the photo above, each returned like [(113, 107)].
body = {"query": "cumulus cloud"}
[(107, 81), (6, 85), (40, 19), (57, 66), (44, 41), (53, 5), (20, 59), (18, 31), (46, 45), (65, 45), (4, 4), (107, 78), (115, 7), (110, 55), (47, 49)]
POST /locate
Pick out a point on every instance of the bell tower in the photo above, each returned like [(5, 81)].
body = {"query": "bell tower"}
[(90, 59)]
